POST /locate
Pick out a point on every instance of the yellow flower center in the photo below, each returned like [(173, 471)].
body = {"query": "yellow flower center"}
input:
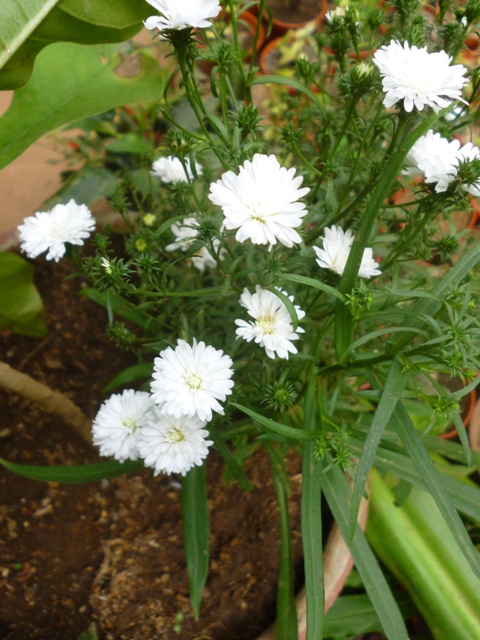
[(266, 324), (193, 381), (176, 435)]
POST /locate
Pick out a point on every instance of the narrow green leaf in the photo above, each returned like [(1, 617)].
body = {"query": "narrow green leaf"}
[(230, 460), (337, 493), (139, 371), (377, 334), (450, 450), (75, 473), (286, 623), (283, 430), (435, 484), (117, 305), (289, 82), (316, 284), (312, 518), (392, 392), (462, 434), (196, 532)]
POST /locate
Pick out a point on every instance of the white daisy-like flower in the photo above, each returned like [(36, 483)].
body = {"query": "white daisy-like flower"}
[(336, 247), (338, 12), (169, 169), (438, 158), (191, 379), (181, 14), (261, 201), (417, 77), (185, 234), (51, 230), (273, 328), (173, 445), (118, 423)]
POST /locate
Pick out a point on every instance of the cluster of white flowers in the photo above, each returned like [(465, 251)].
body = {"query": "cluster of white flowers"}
[(185, 236), (49, 231), (336, 248), (417, 77), (438, 158), (170, 170), (166, 427), (182, 14), (273, 328)]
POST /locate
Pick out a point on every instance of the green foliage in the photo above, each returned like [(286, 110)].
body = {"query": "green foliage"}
[(61, 97), (21, 307), (75, 473), (27, 27)]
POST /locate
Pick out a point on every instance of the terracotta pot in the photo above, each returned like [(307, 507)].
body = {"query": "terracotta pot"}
[(279, 27), (271, 55)]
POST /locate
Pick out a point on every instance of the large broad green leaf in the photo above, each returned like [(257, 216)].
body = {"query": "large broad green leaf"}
[(26, 26), (18, 19), (56, 95), (21, 307)]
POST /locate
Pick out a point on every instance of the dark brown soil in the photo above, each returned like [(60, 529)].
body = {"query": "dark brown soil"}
[(111, 552), (295, 11)]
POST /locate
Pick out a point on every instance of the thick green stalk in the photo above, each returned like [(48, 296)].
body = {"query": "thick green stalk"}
[(418, 547)]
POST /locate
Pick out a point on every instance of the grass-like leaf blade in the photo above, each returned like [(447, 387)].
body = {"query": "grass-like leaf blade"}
[(74, 473)]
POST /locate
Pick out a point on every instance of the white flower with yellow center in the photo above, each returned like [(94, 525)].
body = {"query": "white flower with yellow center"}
[(417, 77), (117, 425), (191, 379), (173, 445), (181, 14), (261, 202), (336, 248), (185, 233), (273, 328), (170, 170), (50, 231)]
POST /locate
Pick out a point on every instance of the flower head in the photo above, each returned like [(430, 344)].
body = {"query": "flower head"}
[(417, 77), (438, 159), (169, 169), (190, 380), (49, 231), (173, 445), (336, 247), (117, 425), (261, 201), (185, 234), (181, 14), (273, 328)]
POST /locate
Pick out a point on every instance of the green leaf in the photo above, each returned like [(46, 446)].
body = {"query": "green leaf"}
[(139, 371), (116, 14), (55, 96), (392, 392), (75, 473), (117, 305), (129, 143), (86, 186), (18, 19), (283, 430), (338, 495), (235, 468), (196, 532), (289, 82), (21, 307), (316, 284), (435, 484)]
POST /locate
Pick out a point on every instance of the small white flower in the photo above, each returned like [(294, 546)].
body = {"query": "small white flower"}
[(49, 231), (117, 425), (173, 445), (336, 247), (438, 158), (261, 201), (417, 77), (181, 14), (339, 12), (185, 234), (169, 169), (190, 380), (273, 328), (106, 264)]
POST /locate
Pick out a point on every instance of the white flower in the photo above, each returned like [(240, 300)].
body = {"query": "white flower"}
[(117, 425), (438, 158), (173, 445), (170, 169), (417, 77), (185, 233), (181, 14), (336, 247), (273, 328), (49, 231), (190, 380), (339, 12), (261, 201)]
